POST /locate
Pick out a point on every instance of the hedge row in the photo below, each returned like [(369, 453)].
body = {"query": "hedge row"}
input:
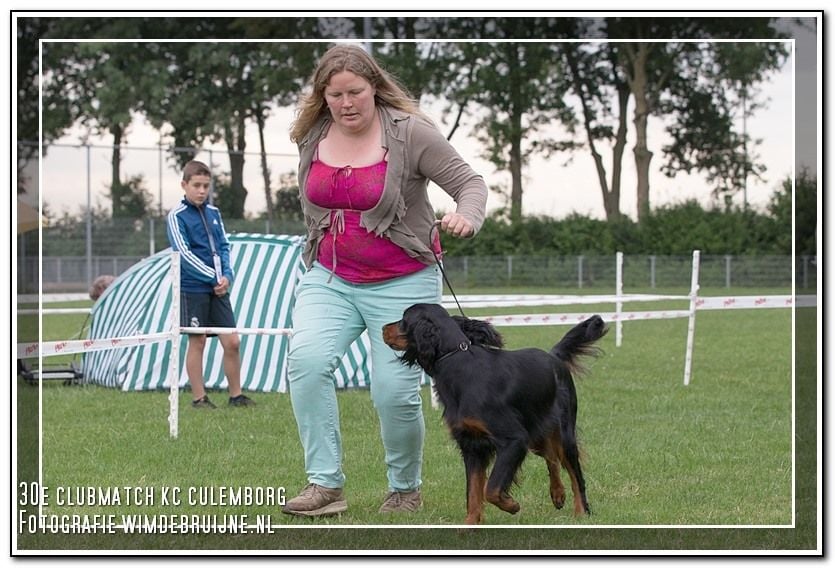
[(670, 230)]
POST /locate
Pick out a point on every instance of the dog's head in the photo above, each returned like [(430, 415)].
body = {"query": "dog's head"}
[(427, 332)]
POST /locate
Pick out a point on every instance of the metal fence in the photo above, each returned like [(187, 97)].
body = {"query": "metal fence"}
[(639, 271), (69, 273)]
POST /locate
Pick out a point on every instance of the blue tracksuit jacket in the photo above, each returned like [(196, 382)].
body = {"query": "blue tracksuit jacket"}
[(187, 235)]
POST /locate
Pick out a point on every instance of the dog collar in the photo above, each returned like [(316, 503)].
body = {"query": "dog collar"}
[(463, 346)]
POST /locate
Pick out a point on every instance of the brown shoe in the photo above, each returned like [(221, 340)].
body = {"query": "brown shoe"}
[(316, 501), (402, 502)]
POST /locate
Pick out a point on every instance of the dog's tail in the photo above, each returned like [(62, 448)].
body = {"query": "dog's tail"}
[(579, 342)]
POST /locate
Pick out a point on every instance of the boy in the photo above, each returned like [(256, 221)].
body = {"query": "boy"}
[(195, 230)]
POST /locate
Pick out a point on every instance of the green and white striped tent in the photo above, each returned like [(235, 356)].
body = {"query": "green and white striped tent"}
[(267, 268)]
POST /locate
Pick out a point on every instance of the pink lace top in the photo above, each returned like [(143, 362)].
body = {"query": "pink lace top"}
[(347, 249)]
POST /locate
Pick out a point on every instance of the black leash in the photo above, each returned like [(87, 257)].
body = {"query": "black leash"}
[(440, 266)]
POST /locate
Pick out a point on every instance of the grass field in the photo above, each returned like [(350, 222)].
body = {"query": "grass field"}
[(717, 453)]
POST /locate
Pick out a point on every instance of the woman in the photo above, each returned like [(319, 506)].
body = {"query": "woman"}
[(366, 156)]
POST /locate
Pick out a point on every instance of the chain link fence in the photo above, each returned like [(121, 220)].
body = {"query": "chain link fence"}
[(639, 271), (73, 273)]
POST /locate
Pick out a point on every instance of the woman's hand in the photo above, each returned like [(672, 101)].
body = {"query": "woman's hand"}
[(456, 225)]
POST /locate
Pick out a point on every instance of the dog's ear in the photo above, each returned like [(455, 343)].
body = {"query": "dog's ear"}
[(479, 332), (427, 340), (423, 343)]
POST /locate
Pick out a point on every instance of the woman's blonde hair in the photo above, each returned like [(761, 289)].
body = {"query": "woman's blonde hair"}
[(346, 57)]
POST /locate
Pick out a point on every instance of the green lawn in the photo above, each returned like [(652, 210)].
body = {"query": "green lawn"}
[(657, 454)]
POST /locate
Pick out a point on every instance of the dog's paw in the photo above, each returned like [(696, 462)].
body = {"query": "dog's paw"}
[(558, 498), (473, 520), (504, 502), (581, 507)]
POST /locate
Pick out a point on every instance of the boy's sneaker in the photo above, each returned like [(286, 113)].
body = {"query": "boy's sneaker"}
[(203, 403), (241, 400), (402, 502), (316, 501)]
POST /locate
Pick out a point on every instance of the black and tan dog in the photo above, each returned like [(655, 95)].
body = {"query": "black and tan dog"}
[(498, 403)]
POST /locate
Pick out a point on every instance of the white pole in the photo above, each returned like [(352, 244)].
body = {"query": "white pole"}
[(618, 294), (174, 361), (691, 322)]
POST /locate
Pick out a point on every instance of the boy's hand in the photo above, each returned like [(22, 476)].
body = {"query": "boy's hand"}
[(223, 287)]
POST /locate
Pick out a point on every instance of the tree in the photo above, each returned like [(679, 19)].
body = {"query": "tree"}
[(282, 69), (29, 30), (706, 122), (520, 89), (216, 89), (603, 96), (205, 99), (288, 203), (667, 75), (517, 85), (423, 68), (99, 86), (805, 214), (135, 198), (691, 86), (427, 70), (520, 94)]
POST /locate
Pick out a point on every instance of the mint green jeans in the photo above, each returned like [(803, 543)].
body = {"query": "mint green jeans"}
[(327, 318)]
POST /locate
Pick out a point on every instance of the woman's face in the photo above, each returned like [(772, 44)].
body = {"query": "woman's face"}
[(350, 99)]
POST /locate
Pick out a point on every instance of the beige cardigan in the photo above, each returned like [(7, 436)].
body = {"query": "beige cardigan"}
[(416, 152)]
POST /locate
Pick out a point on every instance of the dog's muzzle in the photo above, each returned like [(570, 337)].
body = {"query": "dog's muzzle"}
[(393, 337)]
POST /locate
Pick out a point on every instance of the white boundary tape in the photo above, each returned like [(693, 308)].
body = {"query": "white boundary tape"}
[(67, 347), (522, 300), (30, 350), (238, 330), (572, 319), (704, 303), (748, 302)]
